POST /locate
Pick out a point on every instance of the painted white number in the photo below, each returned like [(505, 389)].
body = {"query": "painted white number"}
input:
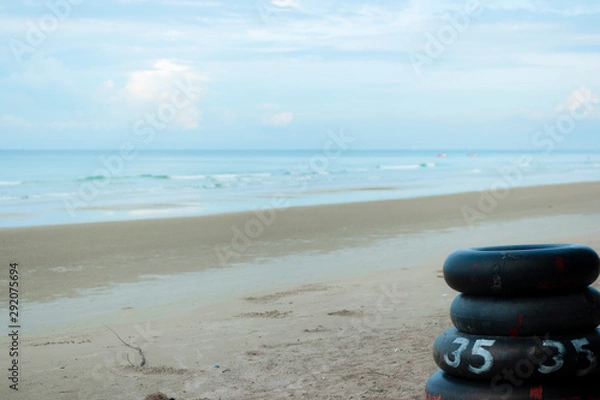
[(579, 343), (453, 359), (558, 359), (455, 362), (478, 350)]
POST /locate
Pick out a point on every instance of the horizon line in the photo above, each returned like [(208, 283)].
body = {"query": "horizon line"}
[(438, 150)]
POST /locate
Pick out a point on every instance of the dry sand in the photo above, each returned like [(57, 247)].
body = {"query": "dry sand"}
[(328, 302)]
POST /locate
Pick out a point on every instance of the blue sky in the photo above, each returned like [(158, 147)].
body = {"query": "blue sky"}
[(282, 73)]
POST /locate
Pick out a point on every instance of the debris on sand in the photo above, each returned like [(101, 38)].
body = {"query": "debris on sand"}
[(158, 396)]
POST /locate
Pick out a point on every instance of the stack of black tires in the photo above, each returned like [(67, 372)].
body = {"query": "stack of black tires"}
[(525, 325)]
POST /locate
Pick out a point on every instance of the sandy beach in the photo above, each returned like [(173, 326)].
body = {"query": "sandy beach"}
[(325, 302)]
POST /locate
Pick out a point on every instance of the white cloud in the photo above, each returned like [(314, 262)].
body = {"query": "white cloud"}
[(285, 3), (577, 99), (146, 90), (580, 97), (278, 119), (154, 84)]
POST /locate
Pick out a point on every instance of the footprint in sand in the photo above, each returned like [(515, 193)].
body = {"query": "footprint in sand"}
[(345, 313), (267, 314)]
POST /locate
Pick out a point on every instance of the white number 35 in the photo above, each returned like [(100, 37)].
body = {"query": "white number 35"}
[(453, 360)]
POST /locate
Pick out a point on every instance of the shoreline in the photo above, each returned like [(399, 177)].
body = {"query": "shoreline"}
[(97, 254), (470, 195), (163, 210)]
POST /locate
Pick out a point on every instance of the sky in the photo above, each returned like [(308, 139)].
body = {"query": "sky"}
[(284, 74)]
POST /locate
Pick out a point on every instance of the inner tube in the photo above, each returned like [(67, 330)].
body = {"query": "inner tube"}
[(531, 269), (527, 316), (442, 386), (531, 358)]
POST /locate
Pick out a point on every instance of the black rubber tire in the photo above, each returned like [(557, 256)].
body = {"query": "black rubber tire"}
[(522, 269), (534, 359), (527, 316), (442, 386)]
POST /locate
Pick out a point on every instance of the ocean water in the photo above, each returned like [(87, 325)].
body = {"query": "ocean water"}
[(62, 187)]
